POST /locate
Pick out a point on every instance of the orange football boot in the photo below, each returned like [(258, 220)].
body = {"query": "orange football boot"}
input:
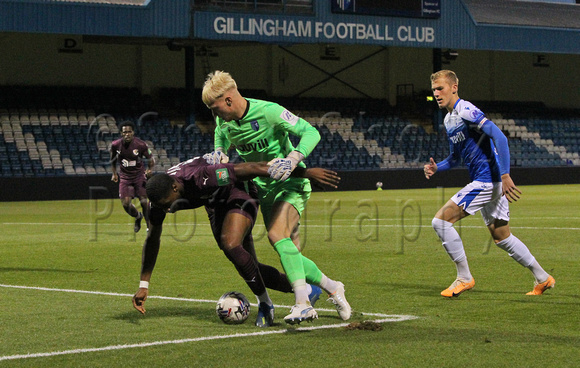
[(457, 287), (539, 288)]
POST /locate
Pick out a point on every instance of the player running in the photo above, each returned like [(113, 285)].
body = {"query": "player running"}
[(484, 149), (259, 132), (232, 207), (129, 152)]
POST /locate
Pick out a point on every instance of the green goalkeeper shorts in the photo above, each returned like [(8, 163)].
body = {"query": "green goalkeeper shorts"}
[(295, 192)]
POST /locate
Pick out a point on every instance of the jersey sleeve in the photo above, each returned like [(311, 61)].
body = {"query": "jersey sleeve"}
[(470, 113), (146, 151), (500, 142), (215, 176), (220, 139), (114, 146), (450, 161), (288, 122)]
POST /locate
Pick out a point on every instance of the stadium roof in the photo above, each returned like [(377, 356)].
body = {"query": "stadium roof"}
[(501, 25), (524, 13), (113, 2)]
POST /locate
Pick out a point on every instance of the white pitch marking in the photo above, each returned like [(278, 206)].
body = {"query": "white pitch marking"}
[(385, 318)]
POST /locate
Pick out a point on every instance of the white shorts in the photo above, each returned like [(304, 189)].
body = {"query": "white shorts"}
[(486, 197)]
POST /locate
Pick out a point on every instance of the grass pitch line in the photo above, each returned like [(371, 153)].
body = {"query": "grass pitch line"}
[(131, 295), (382, 318), (398, 318), (179, 299), (306, 226)]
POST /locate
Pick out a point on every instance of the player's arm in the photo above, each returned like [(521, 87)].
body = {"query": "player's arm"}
[(249, 170), (309, 137), (281, 168), (221, 145), (432, 167), (500, 142), (115, 176), (149, 258), (150, 165)]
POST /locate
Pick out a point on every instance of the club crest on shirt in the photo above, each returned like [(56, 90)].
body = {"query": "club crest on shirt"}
[(255, 125), (135, 152)]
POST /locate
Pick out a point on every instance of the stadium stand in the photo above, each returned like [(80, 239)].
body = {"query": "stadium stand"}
[(69, 132)]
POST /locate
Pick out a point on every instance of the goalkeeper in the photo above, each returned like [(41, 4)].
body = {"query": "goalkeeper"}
[(259, 130)]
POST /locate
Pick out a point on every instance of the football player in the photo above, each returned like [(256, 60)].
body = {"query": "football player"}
[(232, 206), (128, 152), (259, 131), (483, 147)]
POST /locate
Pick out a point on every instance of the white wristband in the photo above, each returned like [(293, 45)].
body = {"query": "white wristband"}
[(143, 284)]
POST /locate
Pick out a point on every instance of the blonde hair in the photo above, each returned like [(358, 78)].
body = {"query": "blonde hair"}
[(216, 84), (447, 74)]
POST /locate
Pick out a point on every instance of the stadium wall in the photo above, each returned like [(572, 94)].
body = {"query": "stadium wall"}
[(101, 186), (42, 59), (492, 75)]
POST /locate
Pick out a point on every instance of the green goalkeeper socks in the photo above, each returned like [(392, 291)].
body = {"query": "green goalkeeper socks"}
[(291, 260), (313, 274), (295, 264)]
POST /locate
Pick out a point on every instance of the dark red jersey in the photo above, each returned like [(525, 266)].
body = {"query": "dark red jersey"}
[(130, 157), (212, 186)]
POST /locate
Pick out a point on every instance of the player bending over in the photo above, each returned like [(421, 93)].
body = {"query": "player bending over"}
[(232, 206)]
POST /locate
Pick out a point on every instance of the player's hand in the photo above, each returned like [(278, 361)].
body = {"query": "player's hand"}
[(320, 177), (216, 157), (148, 173), (430, 168), (509, 189), (281, 168), (139, 299), (115, 177)]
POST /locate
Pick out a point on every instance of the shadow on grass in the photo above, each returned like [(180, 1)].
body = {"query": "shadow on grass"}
[(423, 288), (408, 333), (207, 314), (193, 312)]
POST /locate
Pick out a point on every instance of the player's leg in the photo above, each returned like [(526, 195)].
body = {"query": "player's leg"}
[(141, 193), (283, 221), (465, 202), (496, 217), (280, 220), (273, 279), (443, 223), (231, 229), (313, 289), (127, 193)]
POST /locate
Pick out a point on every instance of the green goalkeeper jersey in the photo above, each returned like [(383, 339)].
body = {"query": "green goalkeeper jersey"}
[(262, 135)]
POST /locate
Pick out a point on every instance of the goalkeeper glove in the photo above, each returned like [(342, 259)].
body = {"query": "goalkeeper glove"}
[(216, 157), (281, 168)]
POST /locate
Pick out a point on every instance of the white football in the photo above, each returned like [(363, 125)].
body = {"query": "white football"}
[(233, 308)]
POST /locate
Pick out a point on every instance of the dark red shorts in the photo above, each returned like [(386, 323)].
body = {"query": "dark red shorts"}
[(239, 201), (134, 188)]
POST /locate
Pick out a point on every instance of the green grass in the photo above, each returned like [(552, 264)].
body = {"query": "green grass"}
[(380, 244)]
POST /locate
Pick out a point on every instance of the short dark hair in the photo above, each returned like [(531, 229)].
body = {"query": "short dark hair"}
[(127, 123), (159, 187)]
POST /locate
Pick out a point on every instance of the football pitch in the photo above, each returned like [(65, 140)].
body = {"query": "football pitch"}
[(68, 270)]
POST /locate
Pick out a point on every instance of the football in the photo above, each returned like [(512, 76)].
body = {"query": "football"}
[(233, 308)]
